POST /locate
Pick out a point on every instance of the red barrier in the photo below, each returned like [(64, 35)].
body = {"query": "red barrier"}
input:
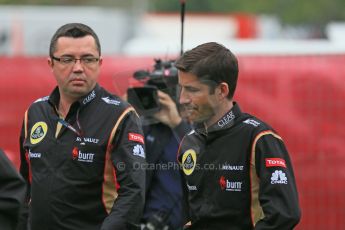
[(302, 97), (23, 80)]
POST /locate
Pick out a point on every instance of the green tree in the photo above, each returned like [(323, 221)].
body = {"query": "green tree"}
[(310, 12), (315, 12)]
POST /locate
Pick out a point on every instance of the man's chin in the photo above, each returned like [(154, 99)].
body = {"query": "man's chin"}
[(80, 89), (188, 114), (194, 118), (198, 119), (78, 93)]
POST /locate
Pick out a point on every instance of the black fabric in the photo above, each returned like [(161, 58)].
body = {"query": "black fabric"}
[(164, 198), (219, 171), (12, 193), (66, 174)]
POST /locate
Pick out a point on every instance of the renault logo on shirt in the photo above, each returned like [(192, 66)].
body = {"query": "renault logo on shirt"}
[(38, 132), (189, 161)]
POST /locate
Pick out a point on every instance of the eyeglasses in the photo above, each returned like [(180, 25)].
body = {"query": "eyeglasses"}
[(69, 61)]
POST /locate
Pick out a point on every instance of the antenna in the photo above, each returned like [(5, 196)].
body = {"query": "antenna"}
[(183, 6)]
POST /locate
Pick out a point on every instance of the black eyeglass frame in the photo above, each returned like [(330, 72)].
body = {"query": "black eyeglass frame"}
[(83, 60)]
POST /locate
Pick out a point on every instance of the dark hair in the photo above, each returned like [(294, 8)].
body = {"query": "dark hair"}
[(74, 30), (213, 64)]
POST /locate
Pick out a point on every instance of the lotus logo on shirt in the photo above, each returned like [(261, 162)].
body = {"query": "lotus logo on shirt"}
[(38, 132), (189, 161)]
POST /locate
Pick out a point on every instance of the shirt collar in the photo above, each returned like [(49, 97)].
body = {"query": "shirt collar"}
[(54, 97), (226, 121)]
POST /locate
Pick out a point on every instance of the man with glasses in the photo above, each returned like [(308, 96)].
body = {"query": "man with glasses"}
[(80, 145)]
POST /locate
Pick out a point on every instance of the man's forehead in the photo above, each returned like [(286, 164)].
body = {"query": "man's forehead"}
[(192, 83), (68, 40), (187, 78), (86, 43)]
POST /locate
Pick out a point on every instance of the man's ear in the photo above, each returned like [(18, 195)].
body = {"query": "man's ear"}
[(50, 62), (223, 90)]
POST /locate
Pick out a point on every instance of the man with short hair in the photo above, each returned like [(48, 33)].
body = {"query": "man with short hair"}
[(79, 145), (238, 172)]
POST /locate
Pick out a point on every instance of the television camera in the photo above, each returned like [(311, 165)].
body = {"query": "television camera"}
[(163, 77)]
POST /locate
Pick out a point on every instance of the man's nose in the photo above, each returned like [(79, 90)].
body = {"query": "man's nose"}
[(77, 66), (183, 97)]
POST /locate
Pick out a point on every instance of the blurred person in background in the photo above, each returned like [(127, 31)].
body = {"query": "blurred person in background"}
[(78, 146), (157, 104), (164, 194), (12, 193), (237, 169)]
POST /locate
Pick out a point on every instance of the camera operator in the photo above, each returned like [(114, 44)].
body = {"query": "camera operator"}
[(163, 130), (163, 182), (168, 114)]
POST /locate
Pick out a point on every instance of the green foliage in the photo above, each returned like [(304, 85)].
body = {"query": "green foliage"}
[(290, 11), (313, 12)]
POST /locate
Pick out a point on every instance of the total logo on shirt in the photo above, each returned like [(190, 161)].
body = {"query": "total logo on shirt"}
[(275, 162)]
